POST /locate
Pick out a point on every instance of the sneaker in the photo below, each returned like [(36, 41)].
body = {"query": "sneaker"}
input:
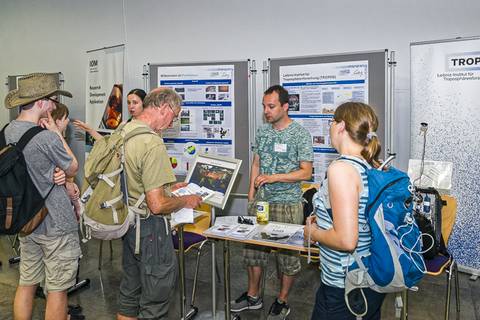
[(245, 302), (278, 310)]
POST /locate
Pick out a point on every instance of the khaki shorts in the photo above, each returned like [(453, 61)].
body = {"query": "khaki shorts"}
[(50, 258), (288, 261)]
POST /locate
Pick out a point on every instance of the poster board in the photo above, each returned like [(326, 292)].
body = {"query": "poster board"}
[(318, 84), (445, 78), (215, 113)]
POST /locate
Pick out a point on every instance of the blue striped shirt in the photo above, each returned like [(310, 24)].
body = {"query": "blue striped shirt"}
[(334, 263)]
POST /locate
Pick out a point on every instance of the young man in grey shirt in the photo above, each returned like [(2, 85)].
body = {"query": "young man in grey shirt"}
[(50, 253)]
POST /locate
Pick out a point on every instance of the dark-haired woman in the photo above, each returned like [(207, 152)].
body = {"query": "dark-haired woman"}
[(135, 106)]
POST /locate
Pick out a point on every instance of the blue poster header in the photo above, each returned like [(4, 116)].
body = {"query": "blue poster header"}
[(310, 116), (198, 141), (207, 104), (321, 83), (324, 150), (194, 82)]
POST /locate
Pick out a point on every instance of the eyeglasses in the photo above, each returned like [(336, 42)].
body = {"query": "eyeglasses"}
[(175, 115), (331, 121)]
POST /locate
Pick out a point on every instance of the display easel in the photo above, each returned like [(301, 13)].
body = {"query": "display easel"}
[(231, 166)]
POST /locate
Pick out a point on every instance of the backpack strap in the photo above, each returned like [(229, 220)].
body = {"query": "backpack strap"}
[(137, 132), (363, 165), (135, 209), (27, 136), (3, 142)]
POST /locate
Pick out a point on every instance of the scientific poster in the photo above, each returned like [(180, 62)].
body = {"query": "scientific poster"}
[(445, 80), (206, 122), (315, 91)]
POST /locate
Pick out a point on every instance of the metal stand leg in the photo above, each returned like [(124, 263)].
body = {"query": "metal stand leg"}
[(195, 278), (226, 277), (181, 261), (214, 314), (214, 285), (405, 305), (457, 291), (449, 290)]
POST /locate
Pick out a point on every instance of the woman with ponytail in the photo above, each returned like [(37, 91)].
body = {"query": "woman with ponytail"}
[(339, 225)]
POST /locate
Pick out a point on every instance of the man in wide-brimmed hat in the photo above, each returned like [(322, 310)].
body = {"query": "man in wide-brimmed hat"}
[(50, 253)]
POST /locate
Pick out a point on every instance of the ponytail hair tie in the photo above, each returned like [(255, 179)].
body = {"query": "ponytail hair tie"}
[(370, 135)]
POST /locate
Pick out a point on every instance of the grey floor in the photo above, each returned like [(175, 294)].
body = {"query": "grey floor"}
[(99, 300)]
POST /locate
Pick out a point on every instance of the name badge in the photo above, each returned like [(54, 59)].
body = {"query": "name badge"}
[(280, 147)]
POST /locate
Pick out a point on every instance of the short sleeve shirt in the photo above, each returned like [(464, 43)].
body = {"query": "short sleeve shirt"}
[(281, 151), (42, 154), (147, 163)]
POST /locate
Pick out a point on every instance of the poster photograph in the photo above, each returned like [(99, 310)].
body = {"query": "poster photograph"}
[(215, 173)]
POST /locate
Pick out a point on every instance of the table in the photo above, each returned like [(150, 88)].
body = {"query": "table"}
[(226, 255)]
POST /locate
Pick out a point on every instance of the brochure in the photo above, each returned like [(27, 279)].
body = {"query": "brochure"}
[(297, 239), (235, 230), (222, 229), (242, 231), (193, 188), (276, 232)]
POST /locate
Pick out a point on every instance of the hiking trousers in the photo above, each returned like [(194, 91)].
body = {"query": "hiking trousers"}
[(149, 278)]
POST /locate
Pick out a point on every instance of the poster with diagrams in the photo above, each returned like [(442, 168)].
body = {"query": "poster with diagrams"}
[(206, 122), (315, 91)]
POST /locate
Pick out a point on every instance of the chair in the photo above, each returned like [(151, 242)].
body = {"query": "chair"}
[(444, 262), (447, 263), (193, 239)]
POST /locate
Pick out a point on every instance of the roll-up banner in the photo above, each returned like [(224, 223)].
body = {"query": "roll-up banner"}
[(104, 101), (445, 84)]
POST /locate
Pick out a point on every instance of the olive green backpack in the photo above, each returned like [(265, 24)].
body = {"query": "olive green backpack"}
[(105, 213)]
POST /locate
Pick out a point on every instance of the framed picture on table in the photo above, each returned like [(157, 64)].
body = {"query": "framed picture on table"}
[(216, 173)]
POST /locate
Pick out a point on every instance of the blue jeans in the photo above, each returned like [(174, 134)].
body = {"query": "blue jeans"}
[(330, 304)]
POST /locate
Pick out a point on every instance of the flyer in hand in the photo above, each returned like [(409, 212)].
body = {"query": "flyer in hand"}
[(193, 188)]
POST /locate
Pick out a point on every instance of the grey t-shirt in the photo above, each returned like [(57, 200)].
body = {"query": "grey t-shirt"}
[(42, 154)]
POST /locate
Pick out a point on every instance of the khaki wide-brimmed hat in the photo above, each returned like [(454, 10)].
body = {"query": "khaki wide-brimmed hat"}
[(33, 87)]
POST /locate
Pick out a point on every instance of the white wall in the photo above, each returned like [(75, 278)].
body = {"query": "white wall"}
[(53, 35)]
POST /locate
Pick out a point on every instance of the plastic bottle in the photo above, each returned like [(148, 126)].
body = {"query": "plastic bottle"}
[(262, 207)]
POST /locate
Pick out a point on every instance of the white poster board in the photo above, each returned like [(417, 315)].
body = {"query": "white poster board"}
[(206, 123), (445, 84), (315, 91)]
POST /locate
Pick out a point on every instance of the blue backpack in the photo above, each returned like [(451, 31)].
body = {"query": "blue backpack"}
[(395, 262)]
